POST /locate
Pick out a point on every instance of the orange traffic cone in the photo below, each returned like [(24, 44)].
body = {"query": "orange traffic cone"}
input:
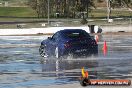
[(104, 48)]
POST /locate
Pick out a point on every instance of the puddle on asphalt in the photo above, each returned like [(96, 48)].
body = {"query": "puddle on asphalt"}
[(24, 73), (22, 66), (67, 67)]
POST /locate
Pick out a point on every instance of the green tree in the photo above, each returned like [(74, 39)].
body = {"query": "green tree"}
[(34, 4), (65, 8), (120, 3)]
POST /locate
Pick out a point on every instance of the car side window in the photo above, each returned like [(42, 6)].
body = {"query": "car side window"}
[(55, 37)]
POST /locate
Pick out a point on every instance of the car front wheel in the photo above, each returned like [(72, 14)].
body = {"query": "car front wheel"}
[(42, 51)]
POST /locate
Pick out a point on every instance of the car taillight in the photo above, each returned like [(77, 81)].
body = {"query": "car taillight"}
[(67, 45)]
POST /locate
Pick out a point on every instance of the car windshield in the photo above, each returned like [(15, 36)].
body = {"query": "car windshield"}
[(76, 34)]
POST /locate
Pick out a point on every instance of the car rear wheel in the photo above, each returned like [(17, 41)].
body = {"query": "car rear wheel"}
[(42, 51)]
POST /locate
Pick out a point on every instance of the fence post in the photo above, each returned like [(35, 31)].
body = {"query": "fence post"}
[(130, 21)]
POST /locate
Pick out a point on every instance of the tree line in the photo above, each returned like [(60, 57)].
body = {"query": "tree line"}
[(71, 8)]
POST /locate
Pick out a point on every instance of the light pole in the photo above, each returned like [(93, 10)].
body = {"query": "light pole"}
[(48, 12), (108, 10)]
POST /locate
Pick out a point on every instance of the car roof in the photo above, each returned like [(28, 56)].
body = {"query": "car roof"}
[(71, 30)]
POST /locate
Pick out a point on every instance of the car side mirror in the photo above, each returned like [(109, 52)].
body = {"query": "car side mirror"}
[(49, 38)]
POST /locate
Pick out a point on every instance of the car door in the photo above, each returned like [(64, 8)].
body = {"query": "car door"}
[(53, 43)]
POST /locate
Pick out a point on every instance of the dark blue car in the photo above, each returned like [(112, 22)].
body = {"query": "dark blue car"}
[(69, 43)]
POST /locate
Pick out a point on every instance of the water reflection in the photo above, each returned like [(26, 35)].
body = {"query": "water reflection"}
[(68, 68), (97, 68)]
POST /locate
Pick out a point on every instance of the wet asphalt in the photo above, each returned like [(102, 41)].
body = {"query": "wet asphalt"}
[(22, 66)]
